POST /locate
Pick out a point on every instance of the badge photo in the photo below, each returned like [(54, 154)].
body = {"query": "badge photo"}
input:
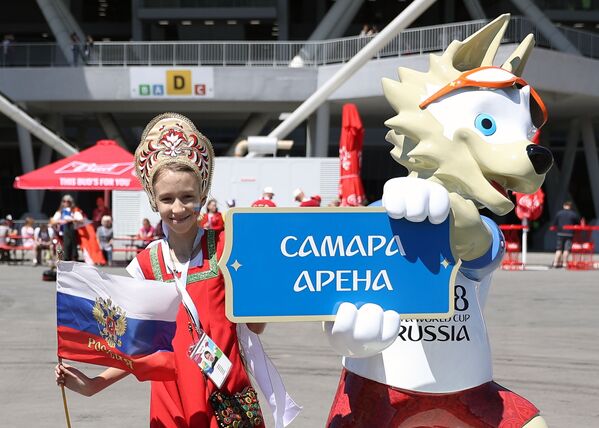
[(211, 360)]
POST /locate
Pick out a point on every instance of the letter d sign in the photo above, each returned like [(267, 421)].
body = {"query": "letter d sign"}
[(178, 82)]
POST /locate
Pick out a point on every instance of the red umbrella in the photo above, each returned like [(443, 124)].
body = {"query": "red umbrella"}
[(351, 191), (105, 166)]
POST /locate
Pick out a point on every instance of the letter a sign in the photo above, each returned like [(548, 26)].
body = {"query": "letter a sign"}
[(294, 264)]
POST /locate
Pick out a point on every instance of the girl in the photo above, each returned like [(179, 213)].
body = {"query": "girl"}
[(213, 219), (174, 163)]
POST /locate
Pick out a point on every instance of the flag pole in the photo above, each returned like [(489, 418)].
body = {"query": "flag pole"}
[(59, 257), (64, 400)]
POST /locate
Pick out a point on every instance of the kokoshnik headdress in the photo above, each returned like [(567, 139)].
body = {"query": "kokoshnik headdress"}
[(171, 138)]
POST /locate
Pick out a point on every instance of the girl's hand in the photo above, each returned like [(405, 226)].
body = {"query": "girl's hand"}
[(75, 380), (256, 327)]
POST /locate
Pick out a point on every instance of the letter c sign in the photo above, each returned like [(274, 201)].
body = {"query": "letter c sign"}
[(178, 82)]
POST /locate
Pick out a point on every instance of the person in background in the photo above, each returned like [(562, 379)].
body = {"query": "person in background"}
[(68, 217), (299, 196), (104, 235), (4, 234), (27, 233), (146, 232), (564, 217), (100, 211), (158, 232), (42, 236), (12, 230), (213, 219), (6, 48), (75, 48), (89, 46), (266, 201)]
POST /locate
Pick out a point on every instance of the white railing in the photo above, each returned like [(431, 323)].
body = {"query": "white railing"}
[(275, 54)]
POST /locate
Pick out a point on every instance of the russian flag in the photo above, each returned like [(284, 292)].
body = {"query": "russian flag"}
[(116, 321)]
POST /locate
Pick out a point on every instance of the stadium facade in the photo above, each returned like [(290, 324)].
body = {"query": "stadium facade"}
[(237, 67)]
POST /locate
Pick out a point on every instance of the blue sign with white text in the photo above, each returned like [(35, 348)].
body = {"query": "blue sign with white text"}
[(301, 264)]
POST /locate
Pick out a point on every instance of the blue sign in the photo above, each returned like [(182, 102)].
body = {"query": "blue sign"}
[(158, 89), (290, 264)]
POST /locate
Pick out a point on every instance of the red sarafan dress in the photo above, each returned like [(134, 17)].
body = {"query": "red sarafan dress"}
[(185, 402)]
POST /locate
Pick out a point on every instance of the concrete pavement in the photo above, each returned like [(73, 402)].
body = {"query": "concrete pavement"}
[(542, 324)]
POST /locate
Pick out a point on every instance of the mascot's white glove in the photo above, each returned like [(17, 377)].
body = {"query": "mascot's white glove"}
[(415, 199), (362, 332)]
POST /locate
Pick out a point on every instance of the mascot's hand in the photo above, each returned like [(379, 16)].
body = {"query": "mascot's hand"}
[(415, 199), (362, 332)]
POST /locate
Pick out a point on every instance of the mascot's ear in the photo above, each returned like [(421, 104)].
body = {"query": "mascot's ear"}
[(480, 48), (517, 60)]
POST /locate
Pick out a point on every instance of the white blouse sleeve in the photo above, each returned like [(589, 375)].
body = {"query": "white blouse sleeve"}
[(134, 269)]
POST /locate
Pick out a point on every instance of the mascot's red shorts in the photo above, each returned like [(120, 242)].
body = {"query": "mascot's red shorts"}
[(364, 403)]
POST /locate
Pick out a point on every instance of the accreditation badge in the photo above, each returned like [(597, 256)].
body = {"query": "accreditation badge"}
[(211, 360)]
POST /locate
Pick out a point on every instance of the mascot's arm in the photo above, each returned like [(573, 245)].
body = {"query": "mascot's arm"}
[(470, 237)]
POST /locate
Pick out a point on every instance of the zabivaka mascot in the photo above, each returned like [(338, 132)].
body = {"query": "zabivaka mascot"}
[(463, 130)]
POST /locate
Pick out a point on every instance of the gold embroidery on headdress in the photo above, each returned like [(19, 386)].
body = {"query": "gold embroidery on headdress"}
[(173, 138)]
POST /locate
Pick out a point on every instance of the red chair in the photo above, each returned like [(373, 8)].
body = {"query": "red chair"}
[(513, 247), (583, 248)]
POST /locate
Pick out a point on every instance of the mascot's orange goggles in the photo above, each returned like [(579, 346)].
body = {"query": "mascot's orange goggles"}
[(494, 78)]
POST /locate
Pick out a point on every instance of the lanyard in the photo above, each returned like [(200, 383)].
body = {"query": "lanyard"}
[(181, 283)]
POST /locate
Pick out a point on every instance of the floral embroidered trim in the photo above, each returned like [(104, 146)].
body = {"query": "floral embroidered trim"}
[(212, 271), (155, 263)]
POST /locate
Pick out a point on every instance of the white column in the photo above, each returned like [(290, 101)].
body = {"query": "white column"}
[(323, 119), (27, 163)]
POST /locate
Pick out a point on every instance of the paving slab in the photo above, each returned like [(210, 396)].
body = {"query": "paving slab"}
[(542, 325)]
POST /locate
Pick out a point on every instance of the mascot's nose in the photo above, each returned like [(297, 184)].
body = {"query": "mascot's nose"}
[(540, 157)]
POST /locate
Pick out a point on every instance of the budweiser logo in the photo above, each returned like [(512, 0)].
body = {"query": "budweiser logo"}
[(76, 167)]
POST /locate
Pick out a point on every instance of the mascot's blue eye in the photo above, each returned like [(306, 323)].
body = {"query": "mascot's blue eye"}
[(485, 124)]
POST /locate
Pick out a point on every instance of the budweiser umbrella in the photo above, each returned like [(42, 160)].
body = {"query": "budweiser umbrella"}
[(105, 166), (351, 191)]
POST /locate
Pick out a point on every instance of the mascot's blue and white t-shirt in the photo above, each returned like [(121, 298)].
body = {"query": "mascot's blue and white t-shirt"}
[(444, 355)]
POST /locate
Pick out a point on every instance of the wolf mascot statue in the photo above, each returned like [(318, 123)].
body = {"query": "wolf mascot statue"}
[(463, 130)]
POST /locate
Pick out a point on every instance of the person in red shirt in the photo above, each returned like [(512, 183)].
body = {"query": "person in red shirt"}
[(100, 211), (312, 201), (146, 232), (213, 219), (266, 201)]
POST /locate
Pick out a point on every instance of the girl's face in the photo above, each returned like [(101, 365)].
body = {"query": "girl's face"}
[(211, 208), (178, 200)]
